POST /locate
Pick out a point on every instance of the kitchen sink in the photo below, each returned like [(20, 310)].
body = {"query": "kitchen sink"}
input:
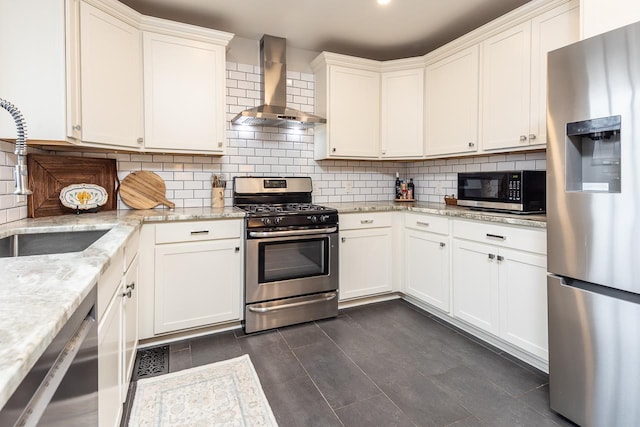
[(58, 242)]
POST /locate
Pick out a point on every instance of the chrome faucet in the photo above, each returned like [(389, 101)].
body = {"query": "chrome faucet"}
[(20, 171)]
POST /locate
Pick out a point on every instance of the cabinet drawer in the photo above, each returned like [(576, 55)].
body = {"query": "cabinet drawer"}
[(131, 248), (516, 237), (195, 231), (365, 220), (423, 222)]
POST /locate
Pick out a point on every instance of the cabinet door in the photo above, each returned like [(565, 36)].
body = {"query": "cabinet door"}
[(601, 16), (129, 324), (365, 262), (523, 301), (110, 365), (197, 284), (353, 120), (506, 73), (402, 115), (552, 30), (451, 100), (111, 76), (184, 85), (475, 284), (426, 267)]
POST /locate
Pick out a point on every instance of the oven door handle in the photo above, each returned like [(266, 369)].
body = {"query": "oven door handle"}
[(325, 298), (292, 232)]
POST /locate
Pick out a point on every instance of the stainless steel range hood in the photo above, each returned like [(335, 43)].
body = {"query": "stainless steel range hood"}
[(273, 112)]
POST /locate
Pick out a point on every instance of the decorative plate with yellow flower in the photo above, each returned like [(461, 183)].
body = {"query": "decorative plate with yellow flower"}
[(83, 196)]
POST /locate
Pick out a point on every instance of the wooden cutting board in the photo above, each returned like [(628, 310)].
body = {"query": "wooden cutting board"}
[(144, 190)]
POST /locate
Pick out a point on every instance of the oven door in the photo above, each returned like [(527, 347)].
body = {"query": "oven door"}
[(283, 264)]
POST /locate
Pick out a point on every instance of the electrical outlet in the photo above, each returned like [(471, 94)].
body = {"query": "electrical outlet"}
[(348, 187), (439, 190)]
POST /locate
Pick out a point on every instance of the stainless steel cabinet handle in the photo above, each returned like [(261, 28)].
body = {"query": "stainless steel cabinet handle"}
[(496, 236), (323, 298), (491, 256), (424, 224), (195, 233), (471, 144), (500, 258), (343, 239), (523, 138), (532, 136), (442, 244), (366, 221)]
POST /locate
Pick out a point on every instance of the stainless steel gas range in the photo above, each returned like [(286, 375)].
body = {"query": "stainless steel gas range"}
[(291, 261)]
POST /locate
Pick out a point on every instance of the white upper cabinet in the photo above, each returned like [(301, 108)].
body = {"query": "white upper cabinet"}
[(451, 104), (552, 30), (349, 97), (184, 82), (514, 70), (402, 107), (600, 16), (110, 79), (506, 73)]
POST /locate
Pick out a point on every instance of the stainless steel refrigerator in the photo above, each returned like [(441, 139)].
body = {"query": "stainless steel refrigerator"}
[(593, 229)]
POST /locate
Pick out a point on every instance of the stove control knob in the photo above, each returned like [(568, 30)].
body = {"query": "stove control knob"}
[(277, 220), (313, 218), (266, 221), (324, 218)]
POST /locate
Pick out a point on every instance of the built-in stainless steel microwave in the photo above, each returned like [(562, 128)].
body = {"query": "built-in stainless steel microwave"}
[(515, 191)]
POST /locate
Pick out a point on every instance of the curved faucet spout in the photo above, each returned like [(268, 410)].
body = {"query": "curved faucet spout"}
[(20, 171)]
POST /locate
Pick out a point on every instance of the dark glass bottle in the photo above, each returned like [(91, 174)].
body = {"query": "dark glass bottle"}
[(411, 189), (398, 194)]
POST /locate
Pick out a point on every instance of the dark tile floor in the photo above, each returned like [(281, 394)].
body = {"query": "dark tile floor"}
[(386, 364)]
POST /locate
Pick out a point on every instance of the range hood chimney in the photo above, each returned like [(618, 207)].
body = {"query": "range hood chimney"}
[(273, 111)]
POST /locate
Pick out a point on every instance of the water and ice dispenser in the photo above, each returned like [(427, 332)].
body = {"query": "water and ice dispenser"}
[(593, 155)]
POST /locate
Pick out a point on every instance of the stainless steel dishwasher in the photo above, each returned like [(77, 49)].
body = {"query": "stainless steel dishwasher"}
[(62, 387)]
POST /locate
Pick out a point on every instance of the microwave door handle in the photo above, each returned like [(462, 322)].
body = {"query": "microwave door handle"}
[(287, 233)]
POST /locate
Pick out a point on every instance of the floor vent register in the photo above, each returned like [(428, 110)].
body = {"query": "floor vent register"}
[(151, 362)]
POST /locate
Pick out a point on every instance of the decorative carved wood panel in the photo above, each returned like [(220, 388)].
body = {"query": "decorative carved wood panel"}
[(50, 174)]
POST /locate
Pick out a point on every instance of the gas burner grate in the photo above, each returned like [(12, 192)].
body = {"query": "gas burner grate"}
[(151, 362)]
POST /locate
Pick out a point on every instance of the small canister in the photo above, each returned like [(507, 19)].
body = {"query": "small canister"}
[(217, 197)]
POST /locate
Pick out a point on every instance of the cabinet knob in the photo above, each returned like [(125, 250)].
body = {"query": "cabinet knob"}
[(491, 256), (442, 244), (384, 152), (77, 127), (343, 239), (140, 140), (220, 144), (333, 150), (237, 249), (132, 286), (472, 144), (127, 294), (500, 258), (532, 136), (523, 138)]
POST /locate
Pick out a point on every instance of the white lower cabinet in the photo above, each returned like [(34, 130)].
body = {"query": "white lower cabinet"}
[(427, 257), (365, 254), (117, 332), (191, 275), (499, 282)]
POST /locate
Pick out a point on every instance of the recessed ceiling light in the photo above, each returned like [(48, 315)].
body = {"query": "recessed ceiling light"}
[(384, 2)]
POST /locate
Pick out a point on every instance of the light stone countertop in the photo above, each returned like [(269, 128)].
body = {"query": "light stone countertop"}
[(527, 220), (38, 294)]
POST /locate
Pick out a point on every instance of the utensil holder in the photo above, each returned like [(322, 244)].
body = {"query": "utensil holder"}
[(217, 197)]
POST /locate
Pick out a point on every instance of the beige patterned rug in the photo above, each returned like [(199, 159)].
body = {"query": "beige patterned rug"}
[(226, 393)]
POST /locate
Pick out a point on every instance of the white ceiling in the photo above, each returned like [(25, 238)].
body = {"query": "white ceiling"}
[(401, 29)]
